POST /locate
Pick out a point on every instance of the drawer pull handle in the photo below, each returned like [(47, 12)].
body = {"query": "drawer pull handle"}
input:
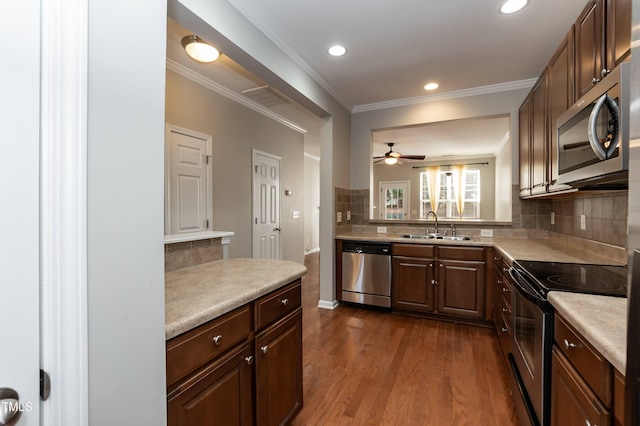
[(249, 360), (265, 349), (284, 302), (217, 340), (569, 345)]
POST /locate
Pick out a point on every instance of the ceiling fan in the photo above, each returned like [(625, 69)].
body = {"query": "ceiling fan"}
[(392, 157)]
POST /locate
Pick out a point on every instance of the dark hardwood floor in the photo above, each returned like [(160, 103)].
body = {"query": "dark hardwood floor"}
[(367, 367)]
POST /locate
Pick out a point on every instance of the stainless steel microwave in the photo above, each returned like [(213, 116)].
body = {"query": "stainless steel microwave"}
[(593, 135)]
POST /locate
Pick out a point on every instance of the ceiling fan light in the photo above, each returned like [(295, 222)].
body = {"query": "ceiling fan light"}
[(199, 50), (391, 160)]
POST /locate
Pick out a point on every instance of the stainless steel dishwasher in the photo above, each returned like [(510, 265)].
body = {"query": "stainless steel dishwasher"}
[(366, 273)]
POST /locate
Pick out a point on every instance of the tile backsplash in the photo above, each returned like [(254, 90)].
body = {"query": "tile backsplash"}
[(605, 215)]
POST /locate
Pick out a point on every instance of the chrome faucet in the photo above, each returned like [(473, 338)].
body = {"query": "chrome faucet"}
[(436, 217)]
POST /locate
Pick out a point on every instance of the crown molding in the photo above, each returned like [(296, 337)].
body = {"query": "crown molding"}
[(228, 93), (475, 91)]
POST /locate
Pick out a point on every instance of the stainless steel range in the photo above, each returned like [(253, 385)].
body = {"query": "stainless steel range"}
[(533, 323)]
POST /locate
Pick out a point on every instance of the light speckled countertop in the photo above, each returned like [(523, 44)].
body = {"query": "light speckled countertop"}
[(602, 320), (201, 293)]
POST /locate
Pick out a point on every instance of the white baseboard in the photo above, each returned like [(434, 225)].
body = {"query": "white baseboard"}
[(325, 304)]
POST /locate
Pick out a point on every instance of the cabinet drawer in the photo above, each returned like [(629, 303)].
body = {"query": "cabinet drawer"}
[(461, 253), (413, 250), (277, 304), (191, 350), (593, 367)]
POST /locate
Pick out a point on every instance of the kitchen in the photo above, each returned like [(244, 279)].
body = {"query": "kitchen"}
[(110, 241)]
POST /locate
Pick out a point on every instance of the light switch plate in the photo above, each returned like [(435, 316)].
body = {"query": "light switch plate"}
[(339, 217), (295, 214), (583, 222), (348, 215), (553, 218), (382, 229), (486, 233)]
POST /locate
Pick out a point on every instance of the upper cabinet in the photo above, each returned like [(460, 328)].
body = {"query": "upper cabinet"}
[(599, 40)]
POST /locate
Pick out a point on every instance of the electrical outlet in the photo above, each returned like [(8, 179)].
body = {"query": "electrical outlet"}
[(382, 229), (348, 215), (553, 218), (339, 217), (486, 233), (583, 222)]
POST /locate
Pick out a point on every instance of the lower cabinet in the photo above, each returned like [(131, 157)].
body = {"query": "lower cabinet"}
[(221, 394), (279, 371), (243, 368), (437, 279)]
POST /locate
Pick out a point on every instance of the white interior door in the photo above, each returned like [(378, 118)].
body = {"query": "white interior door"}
[(188, 171), (266, 206), (394, 200), (19, 214)]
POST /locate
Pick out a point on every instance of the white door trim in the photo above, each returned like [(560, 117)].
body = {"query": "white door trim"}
[(63, 211), (167, 155), (382, 201)]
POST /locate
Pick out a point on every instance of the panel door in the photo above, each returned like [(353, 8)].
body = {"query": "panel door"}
[(461, 288), (589, 46), (525, 147), (413, 284), (539, 136), (188, 187), (266, 206)]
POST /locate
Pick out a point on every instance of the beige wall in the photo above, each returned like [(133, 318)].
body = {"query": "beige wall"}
[(504, 178), (236, 130)]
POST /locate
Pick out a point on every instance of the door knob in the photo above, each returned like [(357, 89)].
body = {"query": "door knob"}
[(9, 407), (277, 228)]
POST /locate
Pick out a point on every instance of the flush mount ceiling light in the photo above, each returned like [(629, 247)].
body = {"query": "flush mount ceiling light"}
[(199, 49), (512, 6), (337, 50), (391, 160), (431, 86)]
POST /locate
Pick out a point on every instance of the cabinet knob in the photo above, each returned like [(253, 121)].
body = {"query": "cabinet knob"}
[(505, 310), (504, 289), (433, 282), (595, 81), (587, 423), (505, 270), (284, 302), (569, 345), (504, 329), (265, 349), (496, 258), (249, 360), (499, 281), (605, 72), (217, 340)]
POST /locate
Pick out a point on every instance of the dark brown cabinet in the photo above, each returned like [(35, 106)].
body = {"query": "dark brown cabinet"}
[(242, 368), (539, 136), (220, 394), (413, 277), (502, 311), (618, 31), (590, 46), (446, 280), (279, 371), (525, 147)]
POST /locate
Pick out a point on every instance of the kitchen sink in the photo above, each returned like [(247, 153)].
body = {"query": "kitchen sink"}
[(437, 237)]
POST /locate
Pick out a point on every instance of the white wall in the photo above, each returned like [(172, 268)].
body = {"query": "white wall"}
[(311, 203), (125, 221), (236, 130)]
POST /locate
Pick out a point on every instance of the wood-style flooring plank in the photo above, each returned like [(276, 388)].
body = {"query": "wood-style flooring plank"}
[(364, 366)]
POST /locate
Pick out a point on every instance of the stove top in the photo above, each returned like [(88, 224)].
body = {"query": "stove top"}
[(605, 280)]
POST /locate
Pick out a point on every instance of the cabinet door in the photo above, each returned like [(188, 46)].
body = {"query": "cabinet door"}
[(618, 32), (539, 133), (560, 83), (461, 288), (589, 46), (279, 371), (572, 401), (413, 284), (220, 394), (524, 147)]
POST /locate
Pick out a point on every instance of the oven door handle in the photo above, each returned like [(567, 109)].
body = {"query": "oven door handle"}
[(524, 287)]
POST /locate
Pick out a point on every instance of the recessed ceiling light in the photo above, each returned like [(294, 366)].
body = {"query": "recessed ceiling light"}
[(337, 50), (431, 86), (512, 6)]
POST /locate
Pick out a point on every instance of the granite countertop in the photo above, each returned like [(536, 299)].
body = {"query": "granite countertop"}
[(203, 292), (602, 320)]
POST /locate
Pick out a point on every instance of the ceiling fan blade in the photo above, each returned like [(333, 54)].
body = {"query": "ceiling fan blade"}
[(379, 156), (377, 161), (412, 157)]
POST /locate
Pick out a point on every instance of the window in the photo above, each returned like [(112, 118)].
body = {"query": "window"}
[(447, 200)]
